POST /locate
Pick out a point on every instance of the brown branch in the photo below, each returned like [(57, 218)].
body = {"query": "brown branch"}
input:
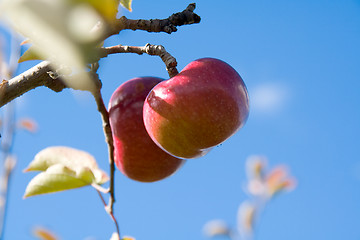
[(154, 50), (34, 77), (39, 75), (167, 25), (43, 75)]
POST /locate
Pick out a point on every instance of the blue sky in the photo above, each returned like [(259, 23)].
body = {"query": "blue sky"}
[(300, 62)]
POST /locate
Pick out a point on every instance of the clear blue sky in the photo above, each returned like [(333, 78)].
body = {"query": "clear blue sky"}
[(300, 61)]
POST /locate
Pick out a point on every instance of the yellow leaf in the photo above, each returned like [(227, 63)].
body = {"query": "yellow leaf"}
[(107, 8), (29, 55), (126, 4), (128, 238)]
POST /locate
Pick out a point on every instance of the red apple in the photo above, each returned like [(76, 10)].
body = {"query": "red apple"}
[(136, 155), (199, 108)]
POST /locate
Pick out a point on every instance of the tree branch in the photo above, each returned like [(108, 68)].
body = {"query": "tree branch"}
[(167, 25), (39, 75), (34, 77), (154, 50)]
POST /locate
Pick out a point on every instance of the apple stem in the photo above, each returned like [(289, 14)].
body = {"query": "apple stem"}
[(153, 50)]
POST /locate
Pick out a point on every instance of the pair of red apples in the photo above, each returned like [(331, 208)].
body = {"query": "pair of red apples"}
[(157, 124)]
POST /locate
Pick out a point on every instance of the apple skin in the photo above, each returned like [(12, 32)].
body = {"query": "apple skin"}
[(136, 155), (197, 109)]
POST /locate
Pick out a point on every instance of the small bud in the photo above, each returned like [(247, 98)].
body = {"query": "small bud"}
[(10, 163), (246, 218), (115, 236), (216, 228), (255, 166), (278, 180), (28, 124)]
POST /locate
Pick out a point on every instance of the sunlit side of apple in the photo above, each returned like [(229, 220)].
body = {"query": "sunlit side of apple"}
[(199, 108)]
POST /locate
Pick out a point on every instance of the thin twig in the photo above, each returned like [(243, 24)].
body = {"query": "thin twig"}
[(101, 197), (109, 140), (100, 188), (154, 50), (111, 214)]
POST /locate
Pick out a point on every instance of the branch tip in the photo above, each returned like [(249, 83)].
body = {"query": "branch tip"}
[(167, 25)]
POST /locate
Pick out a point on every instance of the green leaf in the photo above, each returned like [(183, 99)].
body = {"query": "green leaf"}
[(58, 178), (126, 4), (63, 168)]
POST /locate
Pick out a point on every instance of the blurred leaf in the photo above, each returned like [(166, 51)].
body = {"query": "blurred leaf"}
[(278, 180), (255, 166), (58, 178), (246, 218), (115, 236), (126, 4), (107, 8), (44, 234), (10, 163), (28, 124), (26, 41), (216, 228), (127, 238), (59, 31), (276, 175), (257, 187), (29, 55)]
